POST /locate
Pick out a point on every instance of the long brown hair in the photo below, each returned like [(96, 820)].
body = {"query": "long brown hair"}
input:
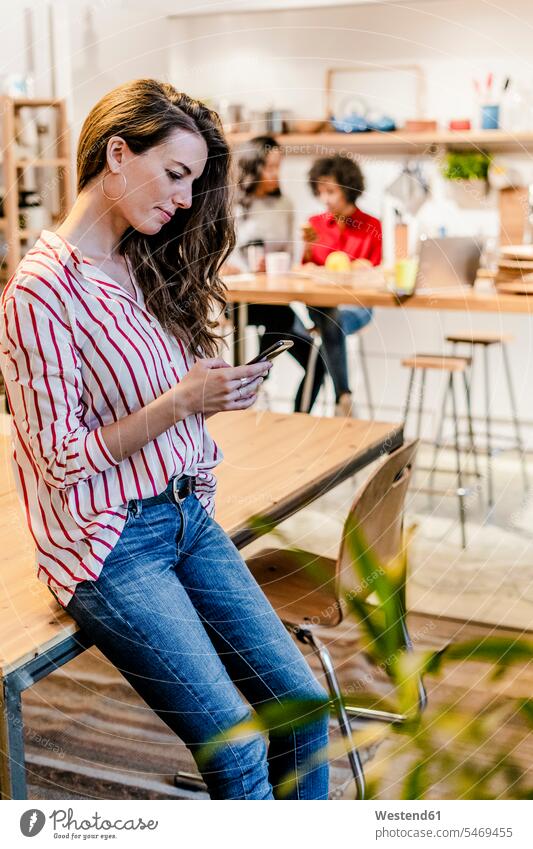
[(177, 268), (251, 161)]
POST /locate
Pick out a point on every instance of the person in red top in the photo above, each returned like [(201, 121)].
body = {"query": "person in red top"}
[(339, 182)]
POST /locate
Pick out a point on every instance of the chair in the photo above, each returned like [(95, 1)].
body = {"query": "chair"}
[(302, 605)]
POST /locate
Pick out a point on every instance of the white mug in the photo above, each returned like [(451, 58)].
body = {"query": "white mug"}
[(278, 262)]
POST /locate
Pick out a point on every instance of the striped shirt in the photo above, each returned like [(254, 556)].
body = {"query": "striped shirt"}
[(78, 352)]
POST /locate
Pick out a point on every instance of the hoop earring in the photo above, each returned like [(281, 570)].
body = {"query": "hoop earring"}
[(102, 184)]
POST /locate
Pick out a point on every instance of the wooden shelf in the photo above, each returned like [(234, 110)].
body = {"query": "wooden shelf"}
[(399, 141), (34, 103), (57, 162), (14, 168), (29, 234)]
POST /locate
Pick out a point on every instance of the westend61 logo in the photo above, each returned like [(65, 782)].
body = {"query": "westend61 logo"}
[(66, 826)]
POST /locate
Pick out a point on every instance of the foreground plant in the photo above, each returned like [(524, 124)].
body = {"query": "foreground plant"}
[(447, 751)]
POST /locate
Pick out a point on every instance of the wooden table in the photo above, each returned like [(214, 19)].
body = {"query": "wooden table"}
[(244, 289), (296, 286), (273, 465)]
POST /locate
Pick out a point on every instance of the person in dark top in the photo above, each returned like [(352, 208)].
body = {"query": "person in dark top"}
[(264, 219)]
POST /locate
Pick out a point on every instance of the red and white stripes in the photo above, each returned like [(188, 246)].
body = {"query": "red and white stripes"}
[(78, 352)]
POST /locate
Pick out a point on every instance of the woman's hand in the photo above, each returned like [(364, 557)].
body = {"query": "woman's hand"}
[(309, 234), (213, 386)]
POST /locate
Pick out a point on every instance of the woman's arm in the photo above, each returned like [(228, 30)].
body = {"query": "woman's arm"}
[(43, 376), (211, 386)]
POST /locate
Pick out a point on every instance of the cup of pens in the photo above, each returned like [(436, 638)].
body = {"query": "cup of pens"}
[(490, 108), (490, 116)]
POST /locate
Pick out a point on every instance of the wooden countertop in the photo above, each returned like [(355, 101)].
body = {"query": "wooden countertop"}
[(295, 286)]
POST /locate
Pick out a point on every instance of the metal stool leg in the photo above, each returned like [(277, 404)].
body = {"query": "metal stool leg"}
[(488, 429), (310, 374), (514, 413), (460, 489), (473, 448), (366, 376), (408, 398), (344, 722), (438, 440), (421, 404)]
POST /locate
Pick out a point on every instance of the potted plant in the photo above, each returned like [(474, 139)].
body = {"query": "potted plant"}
[(467, 175)]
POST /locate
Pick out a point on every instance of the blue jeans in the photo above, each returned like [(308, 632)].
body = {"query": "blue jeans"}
[(328, 321), (177, 611), (334, 325), (354, 319)]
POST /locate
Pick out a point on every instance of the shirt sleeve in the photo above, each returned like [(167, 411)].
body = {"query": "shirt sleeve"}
[(42, 372), (206, 481)]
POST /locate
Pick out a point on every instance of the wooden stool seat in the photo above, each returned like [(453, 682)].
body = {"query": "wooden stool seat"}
[(437, 361), (300, 586), (476, 337)]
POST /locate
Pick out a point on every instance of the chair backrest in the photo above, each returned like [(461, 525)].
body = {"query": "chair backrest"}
[(377, 510)]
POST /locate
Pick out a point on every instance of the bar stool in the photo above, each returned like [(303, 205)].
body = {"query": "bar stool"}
[(452, 365), (485, 340)]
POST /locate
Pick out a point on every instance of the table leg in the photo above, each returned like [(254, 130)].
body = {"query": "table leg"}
[(239, 318), (12, 766)]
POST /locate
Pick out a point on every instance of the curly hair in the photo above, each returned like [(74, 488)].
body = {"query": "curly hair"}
[(178, 267), (344, 171), (251, 161)]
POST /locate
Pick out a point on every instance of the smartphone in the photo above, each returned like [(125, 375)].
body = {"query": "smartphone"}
[(274, 351)]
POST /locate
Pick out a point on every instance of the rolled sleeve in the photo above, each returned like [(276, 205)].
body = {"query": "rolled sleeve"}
[(42, 373)]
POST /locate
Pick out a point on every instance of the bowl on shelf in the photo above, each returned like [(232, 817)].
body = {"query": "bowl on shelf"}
[(420, 126), (304, 126)]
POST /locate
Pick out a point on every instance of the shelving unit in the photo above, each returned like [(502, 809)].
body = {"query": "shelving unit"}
[(14, 167), (400, 142)]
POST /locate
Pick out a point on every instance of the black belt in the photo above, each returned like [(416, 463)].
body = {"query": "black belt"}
[(178, 489)]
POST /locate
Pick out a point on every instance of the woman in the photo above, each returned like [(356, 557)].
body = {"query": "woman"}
[(338, 182), (264, 219), (107, 351)]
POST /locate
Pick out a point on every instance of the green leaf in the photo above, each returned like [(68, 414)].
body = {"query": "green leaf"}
[(500, 651), (417, 782), (278, 718)]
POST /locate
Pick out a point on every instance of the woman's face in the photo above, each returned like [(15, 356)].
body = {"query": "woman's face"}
[(158, 181), (270, 171), (332, 196)]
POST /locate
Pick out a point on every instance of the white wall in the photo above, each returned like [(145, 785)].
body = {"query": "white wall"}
[(280, 58), (110, 43)]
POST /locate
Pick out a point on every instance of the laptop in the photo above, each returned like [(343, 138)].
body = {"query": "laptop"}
[(448, 263)]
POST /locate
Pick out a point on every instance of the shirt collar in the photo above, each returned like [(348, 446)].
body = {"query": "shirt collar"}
[(67, 254)]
